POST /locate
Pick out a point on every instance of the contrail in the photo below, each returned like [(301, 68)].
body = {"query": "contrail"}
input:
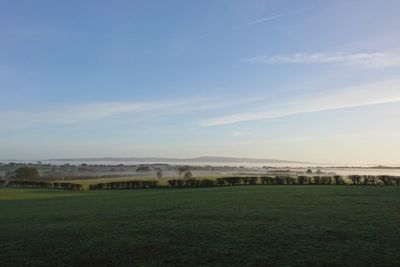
[(276, 16), (260, 21)]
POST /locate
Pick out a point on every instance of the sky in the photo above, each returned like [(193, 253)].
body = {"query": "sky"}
[(315, 81)]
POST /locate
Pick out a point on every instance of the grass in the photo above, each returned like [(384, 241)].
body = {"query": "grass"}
[(230, 226)]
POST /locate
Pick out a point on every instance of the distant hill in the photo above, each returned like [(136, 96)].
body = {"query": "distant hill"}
[(176, 160)]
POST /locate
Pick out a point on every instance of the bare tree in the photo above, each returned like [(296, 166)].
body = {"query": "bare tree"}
[(182, 170), (29, 173), (187, 175)]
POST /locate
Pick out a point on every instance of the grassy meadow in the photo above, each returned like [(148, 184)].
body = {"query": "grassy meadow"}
[(234, 225)]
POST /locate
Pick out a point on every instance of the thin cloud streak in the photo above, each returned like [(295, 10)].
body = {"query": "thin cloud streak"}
[(74, 114), (262, 20), (344, 98), (101, 111), (367, 60), (277, 16)]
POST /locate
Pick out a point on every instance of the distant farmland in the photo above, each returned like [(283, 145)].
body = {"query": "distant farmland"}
[(242, 225)]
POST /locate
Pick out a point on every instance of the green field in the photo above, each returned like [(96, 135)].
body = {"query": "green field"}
[(229, 226)]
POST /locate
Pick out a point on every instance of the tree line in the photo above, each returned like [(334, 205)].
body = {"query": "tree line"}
[(288, 180), (255, 180), (42, 184), (364, 180), (124, 185)]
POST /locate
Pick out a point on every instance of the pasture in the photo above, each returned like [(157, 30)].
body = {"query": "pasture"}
[(229, 226)]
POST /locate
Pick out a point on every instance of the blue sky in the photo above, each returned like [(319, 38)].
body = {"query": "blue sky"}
[(299, 80)]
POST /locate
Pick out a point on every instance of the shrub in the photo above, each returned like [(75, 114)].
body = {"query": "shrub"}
[(135, 184), (207, 183), (245, 180), (112, 185), (191, 183), (355, 179), (233, 180), (372, 179), (149, 184), (301, 180), (125, 185), (44, 184), (98, 186), (33, 184), (267, 179), (250, 180), (387, 180), (338, 179), (326, 180), (172, 183), (220, 181), (70, 186), (129, 185), (180, 183), (279, 180), (317, 179), (289, 180), (253, 180)]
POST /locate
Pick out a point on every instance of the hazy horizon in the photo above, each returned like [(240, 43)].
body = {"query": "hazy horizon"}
[(253, 162), (305, 81)]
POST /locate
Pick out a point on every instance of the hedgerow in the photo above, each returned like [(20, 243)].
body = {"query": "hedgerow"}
[(45, 184), (356, 180)]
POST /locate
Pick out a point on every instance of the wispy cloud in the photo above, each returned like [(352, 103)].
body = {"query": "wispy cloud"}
[(369, 60), (262, 20), (12, 119), (350, 97), (87, 112)]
